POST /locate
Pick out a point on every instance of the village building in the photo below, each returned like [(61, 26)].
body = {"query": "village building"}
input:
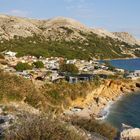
[(10, 53)]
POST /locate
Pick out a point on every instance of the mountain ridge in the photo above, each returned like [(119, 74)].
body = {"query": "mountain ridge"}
[(127, 37), (61, 30), (63, 21)]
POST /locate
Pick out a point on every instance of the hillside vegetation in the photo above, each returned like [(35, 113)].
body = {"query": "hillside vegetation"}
[(93, 125), (49, 97), (41, 128), (14, 88), (63, 37), (93, 47)]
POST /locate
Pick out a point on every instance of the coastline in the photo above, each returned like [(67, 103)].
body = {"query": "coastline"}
[(107, 95), (126, 58), (107, 107)]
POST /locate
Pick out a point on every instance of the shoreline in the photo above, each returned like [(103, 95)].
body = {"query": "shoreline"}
[(100, 110), (127, 58), (107, 107)]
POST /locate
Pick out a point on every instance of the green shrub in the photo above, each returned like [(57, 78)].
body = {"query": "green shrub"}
[(38, 64), (23, 66), (110, 67), (93, 46), (69, 68)]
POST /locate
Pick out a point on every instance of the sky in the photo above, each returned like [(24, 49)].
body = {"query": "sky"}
[(113, 15)]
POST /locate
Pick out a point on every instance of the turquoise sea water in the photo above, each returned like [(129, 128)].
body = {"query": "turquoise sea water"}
[(127, 109)]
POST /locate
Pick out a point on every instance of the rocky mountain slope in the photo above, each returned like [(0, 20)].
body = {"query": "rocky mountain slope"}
[(63, 37), (126, 37)]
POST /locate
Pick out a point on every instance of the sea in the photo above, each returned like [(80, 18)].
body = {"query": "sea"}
[(127, 64), (127, 109)]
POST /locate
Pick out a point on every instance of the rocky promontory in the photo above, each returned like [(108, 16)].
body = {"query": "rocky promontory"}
[(95, 102), (130, 133)]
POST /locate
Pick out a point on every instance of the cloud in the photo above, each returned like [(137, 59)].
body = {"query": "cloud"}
[(16, 12)]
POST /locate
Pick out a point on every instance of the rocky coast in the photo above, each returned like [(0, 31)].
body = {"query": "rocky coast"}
[(129, 132), (97, 103)]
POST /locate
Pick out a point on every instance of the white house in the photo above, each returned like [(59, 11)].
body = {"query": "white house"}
[(71, 61), (137, 73), (10, 54)]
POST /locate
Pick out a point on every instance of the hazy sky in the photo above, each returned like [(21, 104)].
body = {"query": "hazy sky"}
[(114, 15)]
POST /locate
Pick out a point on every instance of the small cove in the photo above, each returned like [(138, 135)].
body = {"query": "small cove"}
[(127, 109), (127, 64)]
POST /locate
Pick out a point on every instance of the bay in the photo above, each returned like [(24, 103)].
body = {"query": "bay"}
[(127, 64), (126, 110)]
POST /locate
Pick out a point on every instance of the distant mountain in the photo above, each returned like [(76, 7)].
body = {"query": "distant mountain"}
[(63, 37), (126, 37)]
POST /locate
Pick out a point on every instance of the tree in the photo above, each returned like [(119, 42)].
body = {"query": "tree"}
[(38, 64), (109, 65), (70, 68), (23, 66)]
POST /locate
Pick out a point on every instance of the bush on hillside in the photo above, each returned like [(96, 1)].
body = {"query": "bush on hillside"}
[(23, 66), (93, 46), (93, 125), (69, 68), (14, 88), (38, 64), (60, 95), (52, 96), (110, 67)]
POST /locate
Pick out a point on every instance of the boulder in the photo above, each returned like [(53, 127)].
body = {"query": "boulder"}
[(131, 134), (138, 85)]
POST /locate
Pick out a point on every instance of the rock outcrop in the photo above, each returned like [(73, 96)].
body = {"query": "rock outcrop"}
[(126, 37), (130, 133), (12, 111), (96, 102)]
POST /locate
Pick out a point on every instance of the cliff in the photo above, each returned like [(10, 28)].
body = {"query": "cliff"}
[(99, 98)]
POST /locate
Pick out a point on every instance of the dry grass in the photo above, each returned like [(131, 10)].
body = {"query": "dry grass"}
[(63, 94), (50, 97), (14, 88), (93, 125), (41, 128)]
